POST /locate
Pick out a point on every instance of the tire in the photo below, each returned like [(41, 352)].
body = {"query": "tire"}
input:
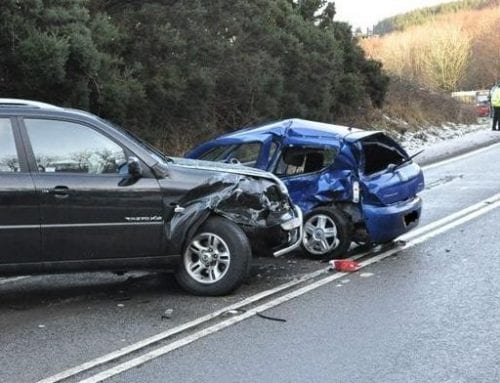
[(327, 233), (216, 260)]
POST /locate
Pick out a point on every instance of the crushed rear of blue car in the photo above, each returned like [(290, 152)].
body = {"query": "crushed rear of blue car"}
[(352, 184)]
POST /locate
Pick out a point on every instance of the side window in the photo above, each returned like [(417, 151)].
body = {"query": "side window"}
[(66, 147), (247, 154), (9, 161), (216, 154), (296, 160)]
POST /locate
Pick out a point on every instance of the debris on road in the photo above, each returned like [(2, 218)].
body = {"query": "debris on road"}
[(123, 298), (270, 318), (233, 312), (345, 265), (366, 275), (167, 314)]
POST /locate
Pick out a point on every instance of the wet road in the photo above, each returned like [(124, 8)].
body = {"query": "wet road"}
[(426, 313)]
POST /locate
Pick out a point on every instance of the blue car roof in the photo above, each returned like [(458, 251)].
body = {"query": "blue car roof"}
[(295, 128)]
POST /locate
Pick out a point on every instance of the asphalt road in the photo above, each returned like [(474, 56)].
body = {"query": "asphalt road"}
[(429, 314), (426, 313)]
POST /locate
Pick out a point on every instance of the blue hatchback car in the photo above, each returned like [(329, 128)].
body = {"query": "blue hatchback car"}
[(352, 184)]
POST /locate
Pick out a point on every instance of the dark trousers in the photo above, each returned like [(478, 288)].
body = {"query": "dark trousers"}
[(496, 118)]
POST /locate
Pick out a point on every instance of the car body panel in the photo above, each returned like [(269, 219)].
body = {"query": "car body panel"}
[(19, 219), (117, 221), (384, 223), (393, 186)]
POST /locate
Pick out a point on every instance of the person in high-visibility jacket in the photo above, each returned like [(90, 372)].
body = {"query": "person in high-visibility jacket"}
[(495, 105)]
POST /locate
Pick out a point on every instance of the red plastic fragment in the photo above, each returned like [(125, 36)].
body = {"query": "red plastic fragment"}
[(345, 265)]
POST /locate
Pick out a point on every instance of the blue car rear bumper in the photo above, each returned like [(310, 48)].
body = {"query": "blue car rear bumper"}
[(384, 223)]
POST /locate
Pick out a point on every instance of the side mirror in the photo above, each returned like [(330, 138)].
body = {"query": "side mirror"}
[(134, 167)]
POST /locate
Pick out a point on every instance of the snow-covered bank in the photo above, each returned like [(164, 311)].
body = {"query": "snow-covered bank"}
[(447, 141), (425, 137)]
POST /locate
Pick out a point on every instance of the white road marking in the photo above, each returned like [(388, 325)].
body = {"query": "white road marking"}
[(460, 157), (423, 234), (450, 218), (186, 326), (4, 281)]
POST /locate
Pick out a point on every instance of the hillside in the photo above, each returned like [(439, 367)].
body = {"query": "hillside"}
[(424, 15), (412, 108), (452, 51)]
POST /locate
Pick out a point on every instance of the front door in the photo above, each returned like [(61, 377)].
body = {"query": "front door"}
[(87, 213), (19, 210)]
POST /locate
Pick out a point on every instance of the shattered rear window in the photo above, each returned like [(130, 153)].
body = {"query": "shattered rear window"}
[(379, 152)]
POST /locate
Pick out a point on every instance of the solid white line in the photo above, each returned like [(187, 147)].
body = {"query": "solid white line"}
[(460, 157), (4, 281), (176, 330), (450, 218), (285, 298)]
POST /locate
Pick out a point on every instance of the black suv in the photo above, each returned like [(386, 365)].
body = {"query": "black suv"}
[(79, 194)]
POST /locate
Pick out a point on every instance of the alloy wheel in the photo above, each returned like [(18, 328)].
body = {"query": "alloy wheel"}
[(320, 234), (207, 258)]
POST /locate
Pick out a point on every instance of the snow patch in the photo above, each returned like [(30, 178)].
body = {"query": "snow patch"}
[(421, 138)]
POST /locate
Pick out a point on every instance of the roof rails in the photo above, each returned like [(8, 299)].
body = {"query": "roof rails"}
[(19, 103)]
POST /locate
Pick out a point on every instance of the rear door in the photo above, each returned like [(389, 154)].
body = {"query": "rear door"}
[(304, 168), (19, 208), (87, 212)]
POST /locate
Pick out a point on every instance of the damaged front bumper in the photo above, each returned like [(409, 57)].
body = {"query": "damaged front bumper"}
[(294, 231)]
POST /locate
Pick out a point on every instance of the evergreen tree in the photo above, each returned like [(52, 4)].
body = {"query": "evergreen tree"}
[(177, 70)]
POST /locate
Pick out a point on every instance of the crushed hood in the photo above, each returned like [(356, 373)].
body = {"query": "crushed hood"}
[(224, 168)]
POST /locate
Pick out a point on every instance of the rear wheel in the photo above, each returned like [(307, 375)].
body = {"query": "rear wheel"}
[(216, 260), (327, 233)]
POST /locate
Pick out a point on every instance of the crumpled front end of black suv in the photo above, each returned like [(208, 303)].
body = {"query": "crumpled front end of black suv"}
[(259, 205)]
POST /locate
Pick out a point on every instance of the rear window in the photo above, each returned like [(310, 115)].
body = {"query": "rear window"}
[(379, 152)]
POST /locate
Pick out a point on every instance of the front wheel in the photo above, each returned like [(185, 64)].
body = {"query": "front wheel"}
[(327, 233), (216, 260)]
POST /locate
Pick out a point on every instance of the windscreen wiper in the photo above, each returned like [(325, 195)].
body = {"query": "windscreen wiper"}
[(406, 160)]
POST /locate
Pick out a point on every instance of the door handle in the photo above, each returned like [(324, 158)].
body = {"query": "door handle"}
[(60, 192)]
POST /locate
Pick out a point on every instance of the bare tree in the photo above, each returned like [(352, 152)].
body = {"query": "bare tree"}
[(448, 56)]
